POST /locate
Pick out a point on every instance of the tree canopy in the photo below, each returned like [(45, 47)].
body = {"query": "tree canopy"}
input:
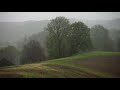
[(100, 38), (58, 29), (79, 37), (32, 52), (66, 39)]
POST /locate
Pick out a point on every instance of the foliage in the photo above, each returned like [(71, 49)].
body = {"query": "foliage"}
[(79, 37), (32, 52), (56, 41), (5, 62), (115, 35), (9, 53), (100, 38), (65, 39)]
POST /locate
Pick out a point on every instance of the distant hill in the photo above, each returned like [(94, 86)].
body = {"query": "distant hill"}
[(110, 24), (13, 31)]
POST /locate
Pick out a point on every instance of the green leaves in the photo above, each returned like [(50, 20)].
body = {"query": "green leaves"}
[(32, 52), (79, 37), (58, 29), (65, 39), (100, 38)]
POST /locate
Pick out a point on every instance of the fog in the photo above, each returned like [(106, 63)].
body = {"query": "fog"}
[(29, 37), (16, 25), (25, 16)]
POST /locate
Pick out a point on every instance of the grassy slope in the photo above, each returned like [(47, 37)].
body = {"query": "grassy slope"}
[(57, 68)]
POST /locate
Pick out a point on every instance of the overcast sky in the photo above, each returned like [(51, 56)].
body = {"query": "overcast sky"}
[(24, 16)]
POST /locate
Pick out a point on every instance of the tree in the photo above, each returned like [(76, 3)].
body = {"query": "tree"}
[(79, 38), (100, 38), (58, 30), (5, 62), (9, 53), (118, 44), (32, 52), (115, 35)]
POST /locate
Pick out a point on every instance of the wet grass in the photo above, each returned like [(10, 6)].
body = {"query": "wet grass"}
[(57, 68)]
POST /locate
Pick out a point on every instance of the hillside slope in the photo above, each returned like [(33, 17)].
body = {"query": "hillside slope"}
[(13, 31), (60, 68)]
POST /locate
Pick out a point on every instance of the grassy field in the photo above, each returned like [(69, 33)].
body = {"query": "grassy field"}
[(58, 68)]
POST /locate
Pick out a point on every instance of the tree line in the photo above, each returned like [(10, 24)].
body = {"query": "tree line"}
[(63, 39), (66, 39)]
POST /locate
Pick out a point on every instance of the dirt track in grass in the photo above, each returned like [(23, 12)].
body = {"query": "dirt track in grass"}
[(104, 65), (109, 65)]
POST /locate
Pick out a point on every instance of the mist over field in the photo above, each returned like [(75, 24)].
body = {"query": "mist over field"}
[(12, 31), (35, 37)]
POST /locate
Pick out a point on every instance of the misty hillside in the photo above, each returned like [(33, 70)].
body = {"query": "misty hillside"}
[(110, 24), (12, 31), (40, 37)]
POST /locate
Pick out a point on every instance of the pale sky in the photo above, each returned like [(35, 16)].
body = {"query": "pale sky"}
[(25, 16)]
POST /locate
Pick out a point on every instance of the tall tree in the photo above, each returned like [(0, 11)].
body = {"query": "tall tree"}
[(115, 35), (58, 29), (79, 37), (118, 44), (32, 52), (100, 38), (9, 53)]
